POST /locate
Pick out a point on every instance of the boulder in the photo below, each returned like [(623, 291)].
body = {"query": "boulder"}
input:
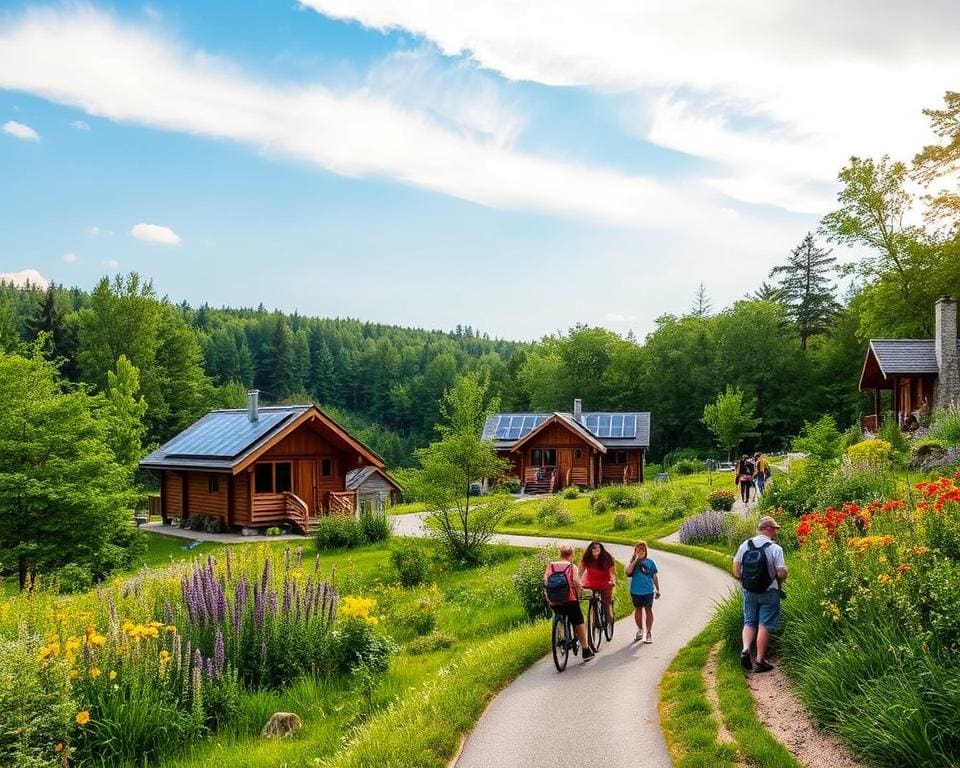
[(280, 725)]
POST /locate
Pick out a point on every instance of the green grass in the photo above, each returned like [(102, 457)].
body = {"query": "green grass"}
[(708, 554)]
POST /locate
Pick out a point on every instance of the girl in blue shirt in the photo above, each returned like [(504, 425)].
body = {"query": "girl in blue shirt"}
[(644, 589)]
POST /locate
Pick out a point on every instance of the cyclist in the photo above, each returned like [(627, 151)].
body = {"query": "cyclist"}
[(598, 572), (571, 608), (644, 588)]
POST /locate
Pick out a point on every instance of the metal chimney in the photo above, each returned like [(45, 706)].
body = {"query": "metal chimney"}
[(578, 410), (253, 403)]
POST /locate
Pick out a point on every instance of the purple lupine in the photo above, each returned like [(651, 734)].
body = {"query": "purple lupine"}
[(308, 598), (239, 605), (258, 607), (197, 659), (287, 595), (229, 565), (177, 649), (219, 655), (168, 612), (272, 602), (316, 564), (209, 669), (286, 558), (703, 528)]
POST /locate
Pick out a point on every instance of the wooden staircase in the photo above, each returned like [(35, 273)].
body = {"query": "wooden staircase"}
[(540, 480)]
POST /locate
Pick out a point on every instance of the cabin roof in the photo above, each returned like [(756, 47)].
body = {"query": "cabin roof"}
[(898, 357), (224, 439), (357, 477), (620, 429)]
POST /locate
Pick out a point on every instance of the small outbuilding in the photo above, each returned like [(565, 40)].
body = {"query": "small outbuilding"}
[(374, 487)]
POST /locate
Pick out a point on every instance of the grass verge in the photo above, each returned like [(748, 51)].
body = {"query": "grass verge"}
[(709, 556)]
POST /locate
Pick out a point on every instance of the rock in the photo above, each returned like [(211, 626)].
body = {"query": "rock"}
[(280, 725)]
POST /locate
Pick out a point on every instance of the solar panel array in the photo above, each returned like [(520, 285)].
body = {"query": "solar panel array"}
[(515, 426), (224, 434), (612, 424)]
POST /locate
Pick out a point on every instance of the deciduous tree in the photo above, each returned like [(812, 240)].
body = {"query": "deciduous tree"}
[(730, 418)]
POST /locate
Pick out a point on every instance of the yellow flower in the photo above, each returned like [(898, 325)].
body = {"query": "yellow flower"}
[(884, 578), (359, 608), (95, 672), (164, 656), (83, 717), (170, 629), (113, 674)]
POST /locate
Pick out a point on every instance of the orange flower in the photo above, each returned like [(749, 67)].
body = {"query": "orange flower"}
[(58, 747), (83, 717)]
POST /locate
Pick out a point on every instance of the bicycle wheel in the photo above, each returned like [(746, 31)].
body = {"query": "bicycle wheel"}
[(594, 628), (608, 623), (561, 650)]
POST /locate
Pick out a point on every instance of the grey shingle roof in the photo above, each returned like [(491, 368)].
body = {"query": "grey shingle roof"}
[(642, 439), (905, 356), (357, 477)]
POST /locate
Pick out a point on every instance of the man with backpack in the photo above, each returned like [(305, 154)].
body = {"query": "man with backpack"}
[(762, 569), (562, 586)]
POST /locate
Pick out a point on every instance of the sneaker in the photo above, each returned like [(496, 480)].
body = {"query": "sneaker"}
[(745, 661), (638, 637), (762, 666), (588, 654), (648, 639)]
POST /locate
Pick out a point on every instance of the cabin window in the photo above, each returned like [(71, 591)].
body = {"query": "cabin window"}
[(283, 477), (617, 457), (543, 457), (326, 467), (578, 453), (263, 478), (213, 484)]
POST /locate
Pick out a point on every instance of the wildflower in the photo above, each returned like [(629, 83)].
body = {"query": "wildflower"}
[(74, 674), (833, 610), (83, 717), (164, 656), (884, 579), (58, 747), (112, 675), (170, 629), (95, 672), (919, 551), (902, 569)]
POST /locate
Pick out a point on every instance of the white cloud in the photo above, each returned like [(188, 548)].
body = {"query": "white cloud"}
[(80, 125), (20, 131), (70, 258), (110, 263), (87, 59), (94, 231), (25, 277), (155, 233), (777, 95)]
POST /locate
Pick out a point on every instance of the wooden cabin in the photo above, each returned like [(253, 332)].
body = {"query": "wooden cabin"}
[(260, 467), (375, 488), (921, 374), (548, 451)]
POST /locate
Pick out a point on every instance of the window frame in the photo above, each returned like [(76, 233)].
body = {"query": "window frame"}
[(273, 477), (213, 483)]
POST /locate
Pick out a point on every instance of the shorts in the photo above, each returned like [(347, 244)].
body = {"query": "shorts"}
[(642, 601), (762, 608), (570, 610)]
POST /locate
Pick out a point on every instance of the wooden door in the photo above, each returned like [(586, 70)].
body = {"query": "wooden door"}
[(564, 462), (307, 483)]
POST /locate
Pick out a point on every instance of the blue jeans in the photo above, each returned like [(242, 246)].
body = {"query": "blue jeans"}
[(762, 608), (759, 481)]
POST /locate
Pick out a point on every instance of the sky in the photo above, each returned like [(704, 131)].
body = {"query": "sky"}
[(519, 166)]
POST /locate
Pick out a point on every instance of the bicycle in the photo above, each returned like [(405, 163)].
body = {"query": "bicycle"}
[(599, 625), (564, 640)]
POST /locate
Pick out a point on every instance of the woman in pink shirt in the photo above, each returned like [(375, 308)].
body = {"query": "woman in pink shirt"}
[(598, 571)]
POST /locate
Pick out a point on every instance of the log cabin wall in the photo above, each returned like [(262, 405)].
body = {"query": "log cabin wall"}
[(208, 494), (173, 493)]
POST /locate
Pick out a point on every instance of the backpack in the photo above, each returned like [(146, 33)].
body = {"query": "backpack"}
[(754, 573), (557, 585)]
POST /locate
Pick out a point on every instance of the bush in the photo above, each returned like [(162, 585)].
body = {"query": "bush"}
[(73, 578), (600, 506), (844, 485), (356, 643), (873, 454), (677, 504), (273, 531), (945, 426), (509, 486), (899, 445), (706, 528), (374, 526), (820, 440), (435, 641), (722, 499), (680, 454), (338, 532), (687, 467), (519, 516), (552, 512), (619, 496), (528, 582), (409, 560), (197, 522), (571, 493), (621, 521), (422, 615)]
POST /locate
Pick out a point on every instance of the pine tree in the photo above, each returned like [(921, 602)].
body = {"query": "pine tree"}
[(278, 362), (701, 303), (806, 289), (61, 337), (125, 427)]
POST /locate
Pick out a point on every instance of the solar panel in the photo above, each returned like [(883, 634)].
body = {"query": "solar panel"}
[(603, 425), (224, 434), (630, 425), (513, 426)]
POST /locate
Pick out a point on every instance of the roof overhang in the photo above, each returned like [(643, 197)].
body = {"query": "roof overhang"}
[(571, 426), (872, 375)]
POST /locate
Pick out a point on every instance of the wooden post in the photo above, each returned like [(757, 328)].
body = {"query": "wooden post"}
[(184, 494), (600, 459), (876, 406)]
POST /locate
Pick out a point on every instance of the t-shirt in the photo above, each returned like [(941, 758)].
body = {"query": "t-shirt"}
[(642, 583), (567, 568), (773, 553), (595, 577)]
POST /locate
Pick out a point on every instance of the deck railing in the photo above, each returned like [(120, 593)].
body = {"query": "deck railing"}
[(342, 503), (296, 511)]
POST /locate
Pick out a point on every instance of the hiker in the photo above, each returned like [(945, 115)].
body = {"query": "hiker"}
[(598, 572), (761, 568), (569, 607), (743, 476), (644, 589), (761, 472)]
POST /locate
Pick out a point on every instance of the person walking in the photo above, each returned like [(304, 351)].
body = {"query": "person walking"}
[(762, 570), (743, 476), (644, 589), (569, 607), (761, 472)]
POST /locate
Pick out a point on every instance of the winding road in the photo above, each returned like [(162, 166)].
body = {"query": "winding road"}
[(602, 714)]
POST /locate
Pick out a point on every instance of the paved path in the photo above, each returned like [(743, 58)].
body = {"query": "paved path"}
[(602, 714)]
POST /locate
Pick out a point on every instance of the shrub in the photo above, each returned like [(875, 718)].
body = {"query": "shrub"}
[(553, 512), (899, 445), (621, 521), (820, 440), (374, 525), (722, 499), (680, 454), (273, 531), (851, 436), (678, 503), (945, 426), (528, 582), (705, 528), (435, 641), (409, 560), (509, 486), (687, 467), (356, 643), (73, 578), (844, 485), (197, 522), (600, 506), (619, 496), (571, 493), (519, 516), (873, 454), (338, 532), (422, 615)]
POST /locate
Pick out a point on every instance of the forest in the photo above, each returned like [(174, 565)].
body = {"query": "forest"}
[(793, 346)]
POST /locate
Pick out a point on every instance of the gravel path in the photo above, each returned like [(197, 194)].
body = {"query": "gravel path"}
[(603, 713)]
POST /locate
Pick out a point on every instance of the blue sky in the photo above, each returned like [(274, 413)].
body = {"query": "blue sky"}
[(433, 165)]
